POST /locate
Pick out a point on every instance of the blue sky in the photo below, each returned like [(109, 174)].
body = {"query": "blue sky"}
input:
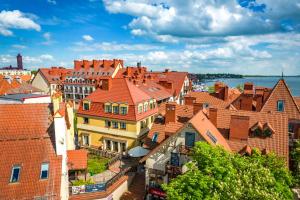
[(205, 36)]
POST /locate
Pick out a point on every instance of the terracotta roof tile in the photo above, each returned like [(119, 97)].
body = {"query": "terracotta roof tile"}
[(277, 143), (77, 159), (26, 136)]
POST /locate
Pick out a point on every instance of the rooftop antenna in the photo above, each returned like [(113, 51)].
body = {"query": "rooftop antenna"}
[(282, 74)]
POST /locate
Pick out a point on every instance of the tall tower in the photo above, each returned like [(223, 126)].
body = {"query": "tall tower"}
[(19, 62)]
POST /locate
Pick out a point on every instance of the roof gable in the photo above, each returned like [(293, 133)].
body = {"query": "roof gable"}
[(282, 92)]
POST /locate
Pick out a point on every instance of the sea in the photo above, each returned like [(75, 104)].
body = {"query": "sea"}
[(292, 82)]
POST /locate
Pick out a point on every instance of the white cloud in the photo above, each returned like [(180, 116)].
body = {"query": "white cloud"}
[(30, 62), (87, 38), (16, 20), (53, 2), (46, 57), (176, 19)]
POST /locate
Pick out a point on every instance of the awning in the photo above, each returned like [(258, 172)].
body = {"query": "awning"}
[(138, 151)]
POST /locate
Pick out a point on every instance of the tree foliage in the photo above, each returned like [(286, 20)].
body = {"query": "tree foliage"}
[(218, 174), (295, 155)]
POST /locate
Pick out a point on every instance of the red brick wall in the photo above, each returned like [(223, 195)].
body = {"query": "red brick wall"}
[(239, 127)]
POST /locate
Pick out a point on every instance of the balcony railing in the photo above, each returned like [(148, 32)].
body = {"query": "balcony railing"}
[(183, 149)]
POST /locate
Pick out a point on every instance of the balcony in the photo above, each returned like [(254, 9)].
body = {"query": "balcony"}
[(173, 170)]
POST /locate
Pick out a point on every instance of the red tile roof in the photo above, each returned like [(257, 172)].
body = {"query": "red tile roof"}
[(54, 75), (77, 159), (154, 90), (26, 135), (277, 143), (297, 100), (121, 91)]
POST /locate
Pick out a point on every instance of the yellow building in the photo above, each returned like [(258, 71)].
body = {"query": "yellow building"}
[(115, 117)]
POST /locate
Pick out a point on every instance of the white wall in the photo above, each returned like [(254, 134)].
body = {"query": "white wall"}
[(45, 99)]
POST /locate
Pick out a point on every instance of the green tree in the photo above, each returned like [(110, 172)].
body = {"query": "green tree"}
[(218, 174), (295, 155)]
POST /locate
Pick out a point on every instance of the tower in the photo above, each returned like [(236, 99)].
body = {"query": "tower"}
[(19, 62)]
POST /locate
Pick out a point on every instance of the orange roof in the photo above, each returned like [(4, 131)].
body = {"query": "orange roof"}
[(183, 112), (54, 74), (277, 143), (77, 159), (121, 91), (25, 140), (212, 100), (202, 124), (154, 90), (297, 100)]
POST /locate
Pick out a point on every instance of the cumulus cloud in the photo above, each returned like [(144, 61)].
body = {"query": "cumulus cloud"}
[(87, 38), (16, 20), (29, 61), (19, 46), (186, 19)]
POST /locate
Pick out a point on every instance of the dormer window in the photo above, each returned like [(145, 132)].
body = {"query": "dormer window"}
[(140, 108), (15, 174), (154, 137), (86, 106), (116, 109), (280, 105), (44, 170), (259, 130), (212, 137), (108, 108), (123, 110)]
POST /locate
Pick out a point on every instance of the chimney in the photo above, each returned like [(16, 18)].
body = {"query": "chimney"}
[(197, 107), (239, 127), (213, 116), (248, 86), (128, 71), (96, 65), (225, 93), (259, 102), (218, 86), (170, 113), (86, 64), (167, 70), (139, 64), (106, 84), (246, 101), (77, 65), (19, 62), (188, 100), (266, 94)]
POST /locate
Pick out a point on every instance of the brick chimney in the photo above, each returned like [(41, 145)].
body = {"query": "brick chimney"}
[(239, 127), (106, 83), (213, 116), (188, 100), (197, 107), (77, 65), (19, 62), (248, 86), (128, 71), (170, 113), (259, 102), (218, 86), (86, 64), (246, 102)]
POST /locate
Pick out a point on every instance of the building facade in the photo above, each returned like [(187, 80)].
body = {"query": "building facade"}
[(116, 116)]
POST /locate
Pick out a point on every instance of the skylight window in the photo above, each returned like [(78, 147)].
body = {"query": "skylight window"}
[(154, 138), (44, 170), (212, 137), (15, 174)]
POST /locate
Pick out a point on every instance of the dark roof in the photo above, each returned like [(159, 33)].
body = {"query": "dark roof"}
[(21, 97)]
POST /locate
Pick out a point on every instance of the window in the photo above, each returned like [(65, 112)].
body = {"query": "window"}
[(143, 124), (108, 144), (107, 123), (145, 107), (85, 120), (116, 146), (152, 119), (86, 106), (15, 174), (123, 125), (151, 105), (116, 109), (123, 110), (44, 170), (140, 109), (212, 137), (115, 124), (291, 128), (280, 106), (154, 138), (86, 141), (205, 105), (123, 147), (108, 108)]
